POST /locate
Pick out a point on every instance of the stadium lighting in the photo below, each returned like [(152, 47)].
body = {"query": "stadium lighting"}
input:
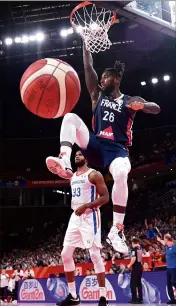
[(40, 36), (8, 41), (17, 40), (70, 31), (143, 83), (79, 29), (94, 26), (32, 38), (59, 191), (24, 39), (166, 78), (66, 32), (63, 33), (154, 80)]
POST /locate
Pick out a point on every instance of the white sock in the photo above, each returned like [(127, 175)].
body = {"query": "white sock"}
[(72, 289), (118, 218), (102, 291), (67, 150)]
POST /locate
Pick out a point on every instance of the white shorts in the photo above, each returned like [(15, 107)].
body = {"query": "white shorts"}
[(84, 231)]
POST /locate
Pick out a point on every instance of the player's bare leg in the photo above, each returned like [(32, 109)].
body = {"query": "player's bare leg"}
[(73, 130), (100, 272), (119, 169), (69, 268)]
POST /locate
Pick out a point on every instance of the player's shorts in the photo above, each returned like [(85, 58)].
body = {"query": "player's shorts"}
[(84, 231), (100, 152)]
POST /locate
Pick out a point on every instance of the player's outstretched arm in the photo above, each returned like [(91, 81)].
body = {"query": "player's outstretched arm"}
[(90, 76), (97, 179), (138, 103), (160, 240), (146, 224)]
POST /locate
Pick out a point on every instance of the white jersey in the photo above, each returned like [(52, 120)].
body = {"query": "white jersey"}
[(85, 230), (83, 191)]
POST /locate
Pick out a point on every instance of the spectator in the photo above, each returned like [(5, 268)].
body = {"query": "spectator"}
[(4, 280), (11, 290), (28, 274), (146, 267), (110, 271), (150, 230), (170, 248), (145, 253), (88, 272), (18, 275), (156, 255), (92, 272)]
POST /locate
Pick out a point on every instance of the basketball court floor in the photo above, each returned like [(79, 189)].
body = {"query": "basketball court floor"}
[(88, 304)]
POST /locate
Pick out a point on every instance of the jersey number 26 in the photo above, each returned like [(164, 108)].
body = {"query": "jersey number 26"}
[(108, 116)]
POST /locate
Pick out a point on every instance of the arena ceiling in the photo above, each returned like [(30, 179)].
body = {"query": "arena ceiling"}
[(25, 18), (18, 13)]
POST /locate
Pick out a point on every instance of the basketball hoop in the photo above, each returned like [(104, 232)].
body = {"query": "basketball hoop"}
[(93, 23)]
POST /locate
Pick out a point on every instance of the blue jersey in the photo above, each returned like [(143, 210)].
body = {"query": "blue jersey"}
[(112, 119), (171, 256)]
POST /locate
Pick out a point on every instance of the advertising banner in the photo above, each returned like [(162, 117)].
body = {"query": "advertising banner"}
[(12, 183), (44, 272), (54, 289), (49, 183), (32, 184)]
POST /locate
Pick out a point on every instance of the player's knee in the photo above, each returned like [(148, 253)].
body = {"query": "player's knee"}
[(98, 263), (67, 259), (68, 116), (66, 256), (120, 175), (94, 257), (73, 119), (97, 260)]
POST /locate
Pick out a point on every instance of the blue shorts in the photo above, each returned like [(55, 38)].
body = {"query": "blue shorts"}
[(100, 152)]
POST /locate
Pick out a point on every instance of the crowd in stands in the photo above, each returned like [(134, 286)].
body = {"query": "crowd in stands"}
[(48, 252), (153, 150)]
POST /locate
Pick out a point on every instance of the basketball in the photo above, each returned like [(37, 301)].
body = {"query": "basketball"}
[(50, 88)]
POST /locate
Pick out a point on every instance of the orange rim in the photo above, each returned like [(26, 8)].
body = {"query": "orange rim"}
[(83, 4)]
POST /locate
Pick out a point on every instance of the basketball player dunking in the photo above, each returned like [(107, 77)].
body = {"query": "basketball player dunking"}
[(113, 115), (84, 228)]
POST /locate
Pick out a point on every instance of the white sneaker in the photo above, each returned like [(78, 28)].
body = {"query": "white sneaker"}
[(14, 302), (60, 165), (117, 241), (1, 302)]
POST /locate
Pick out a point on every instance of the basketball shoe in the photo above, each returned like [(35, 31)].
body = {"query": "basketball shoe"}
[(103, 301), (60, 165), (116, 239), (69, 300)]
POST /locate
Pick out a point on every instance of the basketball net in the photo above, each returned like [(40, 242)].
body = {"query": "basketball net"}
[(93, 24)]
